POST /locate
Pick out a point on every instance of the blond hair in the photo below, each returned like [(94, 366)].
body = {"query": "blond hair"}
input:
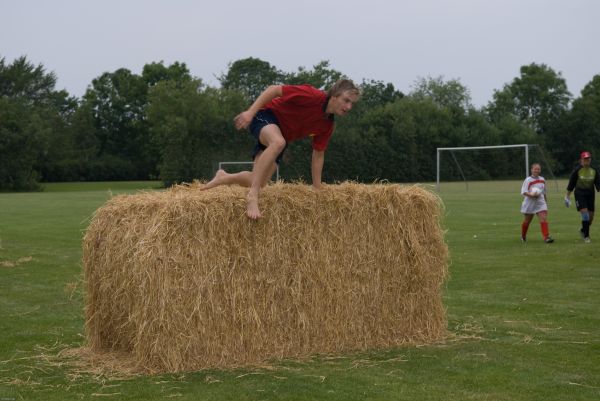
[(341, 86)]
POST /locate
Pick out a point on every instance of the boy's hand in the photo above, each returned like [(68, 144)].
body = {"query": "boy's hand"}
[(567, 201), (243, 120)]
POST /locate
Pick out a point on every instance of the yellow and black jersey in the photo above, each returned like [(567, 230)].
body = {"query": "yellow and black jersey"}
[(584, 179)]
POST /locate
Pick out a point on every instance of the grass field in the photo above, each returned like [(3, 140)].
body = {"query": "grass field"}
[(524, 318)]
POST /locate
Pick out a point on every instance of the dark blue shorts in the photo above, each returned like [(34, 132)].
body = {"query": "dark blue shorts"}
[(261, 119)]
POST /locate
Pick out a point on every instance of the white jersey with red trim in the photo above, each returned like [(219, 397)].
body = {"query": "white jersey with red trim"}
[(534, 205)]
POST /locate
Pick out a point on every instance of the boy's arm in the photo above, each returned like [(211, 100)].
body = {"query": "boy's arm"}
[(244, 119), (318, 160)]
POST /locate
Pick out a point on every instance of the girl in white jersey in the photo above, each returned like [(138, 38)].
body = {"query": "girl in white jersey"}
[(534, 202)]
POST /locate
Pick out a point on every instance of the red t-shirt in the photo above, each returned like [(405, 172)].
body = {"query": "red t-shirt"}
[(301, 113)]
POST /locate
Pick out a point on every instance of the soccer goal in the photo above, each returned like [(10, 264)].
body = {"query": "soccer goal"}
[(525, 147), (221, 164)]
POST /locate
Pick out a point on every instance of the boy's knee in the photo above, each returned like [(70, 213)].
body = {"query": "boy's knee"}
[(278, 144)]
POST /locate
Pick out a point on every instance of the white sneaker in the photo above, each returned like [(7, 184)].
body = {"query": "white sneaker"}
[(587, 240)]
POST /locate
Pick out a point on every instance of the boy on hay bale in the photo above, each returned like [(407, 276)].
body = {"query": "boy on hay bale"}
[(281, 114), (178, 280)]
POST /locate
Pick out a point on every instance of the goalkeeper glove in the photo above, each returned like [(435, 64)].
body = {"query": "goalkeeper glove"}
[(567, 201)]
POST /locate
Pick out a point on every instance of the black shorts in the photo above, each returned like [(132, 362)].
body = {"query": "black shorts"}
[(585, 200), (261, 119)]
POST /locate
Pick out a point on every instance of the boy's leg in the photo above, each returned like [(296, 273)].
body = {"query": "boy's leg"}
[(243, 178), (264, 165), (269, 175)]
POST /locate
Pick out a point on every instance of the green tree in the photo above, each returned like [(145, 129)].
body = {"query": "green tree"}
[(373, 94), (20, 143), (579, 129), (377, 93), (538, 98), (251, 76), (84, 163), (586, 114), (117, 102), (111, 127), (192, 126), (31, 85), (449, 93), (321, 76), (33, 120), (154, 73), (395, 141), (56, 161)]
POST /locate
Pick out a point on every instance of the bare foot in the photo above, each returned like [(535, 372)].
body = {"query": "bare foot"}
[(252, 207), (216, 181)]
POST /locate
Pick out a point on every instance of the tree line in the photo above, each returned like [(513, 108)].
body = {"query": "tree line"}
[(166, 124)]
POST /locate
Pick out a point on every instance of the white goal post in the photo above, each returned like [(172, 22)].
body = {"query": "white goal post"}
[(525, 146), (221, 164)]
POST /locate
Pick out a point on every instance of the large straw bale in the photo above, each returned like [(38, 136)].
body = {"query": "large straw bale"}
[(183, 280)]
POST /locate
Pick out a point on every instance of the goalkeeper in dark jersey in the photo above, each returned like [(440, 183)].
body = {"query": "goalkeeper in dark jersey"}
[(583, 180)]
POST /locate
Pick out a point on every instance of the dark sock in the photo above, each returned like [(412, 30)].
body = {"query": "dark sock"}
[(585, 227)]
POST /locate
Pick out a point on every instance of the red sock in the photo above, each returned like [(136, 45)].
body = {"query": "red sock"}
[(545, 231), (524, 228)]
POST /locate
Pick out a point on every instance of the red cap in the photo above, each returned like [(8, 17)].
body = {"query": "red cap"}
[(586, 155)]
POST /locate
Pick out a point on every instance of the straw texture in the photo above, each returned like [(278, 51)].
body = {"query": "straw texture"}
[(183, 280)]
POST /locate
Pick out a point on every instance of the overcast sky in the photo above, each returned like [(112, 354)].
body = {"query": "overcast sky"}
[(480, 42)]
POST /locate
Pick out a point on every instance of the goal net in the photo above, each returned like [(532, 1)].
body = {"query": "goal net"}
[(482, 163)]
